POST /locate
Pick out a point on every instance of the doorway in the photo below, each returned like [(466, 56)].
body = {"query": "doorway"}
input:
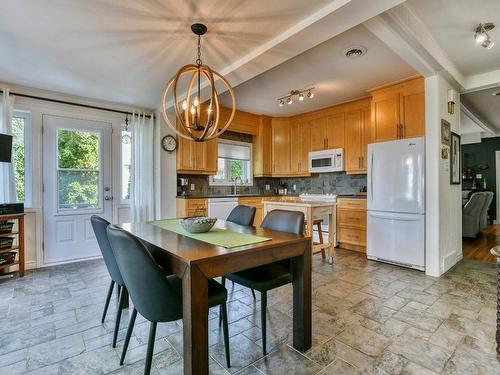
[(76, 185)]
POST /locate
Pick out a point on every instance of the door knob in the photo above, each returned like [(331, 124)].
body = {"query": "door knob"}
[(108, 198)]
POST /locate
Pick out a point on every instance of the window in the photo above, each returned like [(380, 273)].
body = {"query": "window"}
[(126, 163), (234, 163), (78, 169), (20, 153)]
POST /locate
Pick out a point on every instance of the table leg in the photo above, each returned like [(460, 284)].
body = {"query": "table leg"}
[(302, 300), (20, 223), (331, 234), (195, 321)]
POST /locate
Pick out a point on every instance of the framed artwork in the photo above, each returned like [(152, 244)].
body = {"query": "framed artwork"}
[(445, 132), (455, 172)]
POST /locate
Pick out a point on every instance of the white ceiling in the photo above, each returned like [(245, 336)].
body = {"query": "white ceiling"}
[(452, 24), (336, 78), (467, 126), (486, 105), (124, 51)]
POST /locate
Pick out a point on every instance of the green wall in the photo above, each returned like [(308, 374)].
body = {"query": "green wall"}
[(482, 153)]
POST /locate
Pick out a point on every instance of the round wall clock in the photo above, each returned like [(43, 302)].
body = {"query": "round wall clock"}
[(169, 143)]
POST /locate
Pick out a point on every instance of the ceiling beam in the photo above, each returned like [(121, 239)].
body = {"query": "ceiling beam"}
[(403, 31), (468, 111), (483, 81)]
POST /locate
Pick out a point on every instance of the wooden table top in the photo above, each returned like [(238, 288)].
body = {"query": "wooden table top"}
[(192, 251)]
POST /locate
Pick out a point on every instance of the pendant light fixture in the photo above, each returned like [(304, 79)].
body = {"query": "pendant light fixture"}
[(197, 119)]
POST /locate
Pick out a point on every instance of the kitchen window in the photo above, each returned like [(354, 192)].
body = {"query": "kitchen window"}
[(234, 164)]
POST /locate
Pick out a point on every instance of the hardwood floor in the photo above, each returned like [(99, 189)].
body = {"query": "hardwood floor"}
[(479, 248)]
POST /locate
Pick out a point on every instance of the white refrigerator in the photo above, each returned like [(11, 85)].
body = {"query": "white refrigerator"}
[(396, 202)]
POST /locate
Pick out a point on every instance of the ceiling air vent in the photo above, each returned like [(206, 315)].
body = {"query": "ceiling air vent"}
[(355, 52)]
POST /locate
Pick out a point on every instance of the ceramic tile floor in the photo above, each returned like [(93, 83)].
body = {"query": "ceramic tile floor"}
[(368, 317)]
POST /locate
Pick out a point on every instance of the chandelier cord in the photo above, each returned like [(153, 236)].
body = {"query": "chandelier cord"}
[(198, 60)]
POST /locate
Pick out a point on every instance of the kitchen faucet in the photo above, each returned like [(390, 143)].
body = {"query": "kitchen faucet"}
[(235, 185)]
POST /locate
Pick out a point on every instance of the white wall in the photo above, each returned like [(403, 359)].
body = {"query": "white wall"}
[(443, 200), (37, 108)]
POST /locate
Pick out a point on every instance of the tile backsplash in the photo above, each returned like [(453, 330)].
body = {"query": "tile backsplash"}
[(323, 183)]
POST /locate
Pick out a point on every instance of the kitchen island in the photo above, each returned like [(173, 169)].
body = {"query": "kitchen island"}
[(311, 210)]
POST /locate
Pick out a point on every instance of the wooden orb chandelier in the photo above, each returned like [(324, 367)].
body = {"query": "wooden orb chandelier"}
[(196, 119)]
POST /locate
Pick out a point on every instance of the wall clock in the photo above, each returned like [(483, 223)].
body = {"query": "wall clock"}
[(169, 143)]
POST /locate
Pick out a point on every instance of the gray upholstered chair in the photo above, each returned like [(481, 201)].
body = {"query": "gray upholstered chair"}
[(471, 213), (483, 218), (157, 297)]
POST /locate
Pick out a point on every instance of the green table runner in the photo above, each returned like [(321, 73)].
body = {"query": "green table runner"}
[(216, 236)]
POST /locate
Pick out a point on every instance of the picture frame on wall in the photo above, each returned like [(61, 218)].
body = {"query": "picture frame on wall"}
[(445, 132), (455, 170)]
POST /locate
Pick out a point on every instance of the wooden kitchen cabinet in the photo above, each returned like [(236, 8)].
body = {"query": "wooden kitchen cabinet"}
[(189, 207), (281, 147), (262, 149), (196, 157), (357, 137), (335, 131), (318, 133), (300, 145), (351, 223), (398, 111)]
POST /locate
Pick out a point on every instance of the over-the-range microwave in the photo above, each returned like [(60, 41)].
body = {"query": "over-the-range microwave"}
[(326, 161)]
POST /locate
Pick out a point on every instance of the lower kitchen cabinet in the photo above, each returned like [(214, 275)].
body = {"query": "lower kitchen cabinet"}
[(351, 223), (191, 207)]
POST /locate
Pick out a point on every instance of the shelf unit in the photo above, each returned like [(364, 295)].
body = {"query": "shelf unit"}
[(19, 247)]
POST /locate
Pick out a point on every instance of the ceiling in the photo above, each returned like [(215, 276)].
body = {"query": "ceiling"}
[(452, 24), (124, 51), (336, 78), (485, 105)]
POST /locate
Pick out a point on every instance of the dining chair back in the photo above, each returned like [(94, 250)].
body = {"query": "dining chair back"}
[(284, 221), (156, 297), (100, 226), (242, 215)]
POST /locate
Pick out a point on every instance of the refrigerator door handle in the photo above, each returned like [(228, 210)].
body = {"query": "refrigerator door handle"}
[(399, 217), (371, 175)]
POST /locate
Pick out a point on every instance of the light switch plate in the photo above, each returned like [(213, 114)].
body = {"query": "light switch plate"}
[(268, 187), (294, 187), (192, 186)]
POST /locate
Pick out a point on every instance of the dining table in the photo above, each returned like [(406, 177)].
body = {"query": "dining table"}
[(196, 262)]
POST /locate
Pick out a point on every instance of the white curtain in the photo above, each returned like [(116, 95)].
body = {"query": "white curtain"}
[(142, 192), (7, 184)]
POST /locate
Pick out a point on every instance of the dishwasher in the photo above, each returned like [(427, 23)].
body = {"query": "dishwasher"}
[(221, 207)]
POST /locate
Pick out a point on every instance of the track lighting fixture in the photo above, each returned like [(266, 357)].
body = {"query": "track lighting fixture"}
[(296, 93), (481, 35)]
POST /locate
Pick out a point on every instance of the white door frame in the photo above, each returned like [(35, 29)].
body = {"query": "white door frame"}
[(497, 175)]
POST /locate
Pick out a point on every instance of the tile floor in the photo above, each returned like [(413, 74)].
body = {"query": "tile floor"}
[(368, 318)]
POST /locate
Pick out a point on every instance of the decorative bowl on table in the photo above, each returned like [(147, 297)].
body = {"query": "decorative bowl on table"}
[(200, 224)]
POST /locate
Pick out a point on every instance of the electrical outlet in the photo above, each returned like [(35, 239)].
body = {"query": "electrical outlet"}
[(268, 187), (192, 186), (294, 187)]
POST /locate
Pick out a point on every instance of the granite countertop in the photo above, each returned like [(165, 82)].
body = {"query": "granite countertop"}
[(235, 196)]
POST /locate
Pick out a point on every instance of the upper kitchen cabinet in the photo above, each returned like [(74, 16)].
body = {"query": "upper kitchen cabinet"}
[(327, 132), (280, 146), (300, 145), (262, 149), (243, 122), (196, 157), (398, 111), (357, 137)]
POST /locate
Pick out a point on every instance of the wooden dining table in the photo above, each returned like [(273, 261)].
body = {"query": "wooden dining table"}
[(196, 262)]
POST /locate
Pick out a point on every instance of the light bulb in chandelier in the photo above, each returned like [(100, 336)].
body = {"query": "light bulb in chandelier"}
[(184, 105), (289, 100), (196, 102), (301, 97)]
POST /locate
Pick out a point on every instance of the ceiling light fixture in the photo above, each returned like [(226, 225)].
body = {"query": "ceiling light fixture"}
[(481, 35), (194, 123), (295, 93)]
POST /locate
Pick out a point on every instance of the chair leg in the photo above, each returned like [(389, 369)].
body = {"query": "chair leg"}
[(223, 281), (220, 316), (118, 315), (225, 329), (108, 298), (253, 293), (129, 333), (263, 306), (151, 344), (320, 235)]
